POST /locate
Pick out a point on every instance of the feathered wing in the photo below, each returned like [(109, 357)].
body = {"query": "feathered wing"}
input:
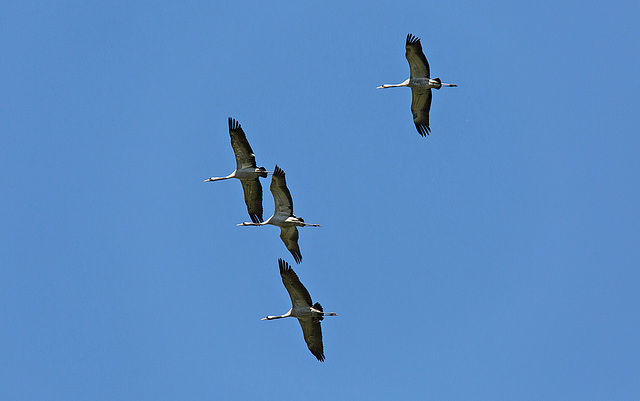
[(289, 235), (300, 297), (253, 198), (241, 148), (281, 195), (312, 333), (297, 291), (420, 106), (418, 63)]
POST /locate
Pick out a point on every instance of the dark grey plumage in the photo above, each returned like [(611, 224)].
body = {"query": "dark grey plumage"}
[(283, 215), (420, 82), (418, 63), (284, 206), (245, 158), (420, 97), (311, 329)]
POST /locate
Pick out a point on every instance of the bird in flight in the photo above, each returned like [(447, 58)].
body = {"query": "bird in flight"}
[(283, 215), (421, 83), (308, 314), (246, 171)]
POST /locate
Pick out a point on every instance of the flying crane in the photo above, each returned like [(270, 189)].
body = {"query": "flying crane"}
[(283, 215), (246, 171), (420, 83), (308, 314)]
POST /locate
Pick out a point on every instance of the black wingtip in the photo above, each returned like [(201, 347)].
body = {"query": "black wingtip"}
[(318, 355), (297, 256), (284, 266), (233, 124), (255, 217), (423, 130), (411, 39), (277, 171)]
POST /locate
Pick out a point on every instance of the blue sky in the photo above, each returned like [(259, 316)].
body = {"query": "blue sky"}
[(496, 259)]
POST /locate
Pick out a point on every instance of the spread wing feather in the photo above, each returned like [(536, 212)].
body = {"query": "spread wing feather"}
[(300, 297), (289, 235), (253, 198), (418, 63), (281, 195), (297, 291), (241, 148), (420, 106), (312, 333)]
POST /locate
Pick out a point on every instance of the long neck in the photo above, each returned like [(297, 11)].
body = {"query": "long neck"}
[(250, 223), (219, 178), (278, 317), (274, 317), (405, 83)]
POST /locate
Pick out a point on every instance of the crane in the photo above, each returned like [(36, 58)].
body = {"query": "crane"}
[(283, 215), (420, 83), (246, 171), (308, 314)]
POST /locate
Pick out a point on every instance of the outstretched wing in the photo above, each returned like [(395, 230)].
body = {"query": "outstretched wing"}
[(241, 148), (420, 106), (297, 291), (281, 195), (418, 63), (253, 198), (312, 333), (289, 236)]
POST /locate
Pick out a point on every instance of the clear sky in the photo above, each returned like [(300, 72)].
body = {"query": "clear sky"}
[(497, 259)]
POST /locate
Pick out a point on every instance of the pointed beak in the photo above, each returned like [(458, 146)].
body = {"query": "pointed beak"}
[(207, 180)]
